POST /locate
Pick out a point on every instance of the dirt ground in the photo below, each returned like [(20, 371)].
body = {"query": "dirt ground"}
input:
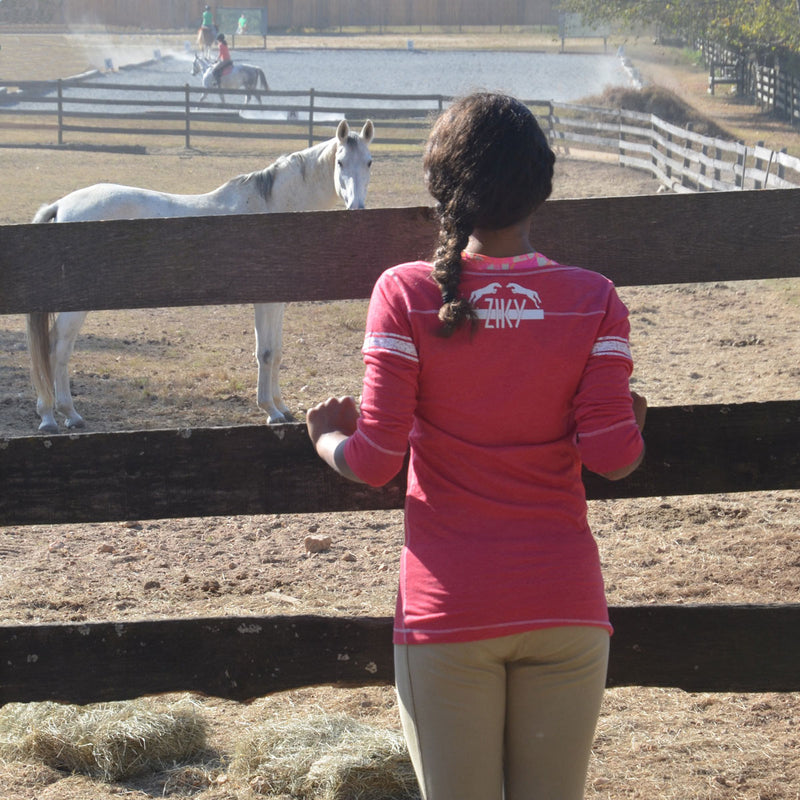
[(158, 368)]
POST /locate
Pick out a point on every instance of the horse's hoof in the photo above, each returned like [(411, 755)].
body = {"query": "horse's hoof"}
[(48, 427), (276, 417), (77, 422)]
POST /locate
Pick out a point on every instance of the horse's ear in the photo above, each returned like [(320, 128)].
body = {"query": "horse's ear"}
[(368, 131), (343, 131)]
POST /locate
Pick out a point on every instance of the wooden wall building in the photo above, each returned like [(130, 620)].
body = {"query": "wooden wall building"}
[(283, 15)]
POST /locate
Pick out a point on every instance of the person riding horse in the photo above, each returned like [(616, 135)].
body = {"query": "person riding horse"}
[(224, 60), (207, 33), (208, 19), (208, 30)]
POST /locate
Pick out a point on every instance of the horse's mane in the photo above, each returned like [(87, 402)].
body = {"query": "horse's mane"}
[(264, 179)]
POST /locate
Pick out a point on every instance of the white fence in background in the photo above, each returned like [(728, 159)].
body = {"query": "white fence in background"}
[(683, 160)]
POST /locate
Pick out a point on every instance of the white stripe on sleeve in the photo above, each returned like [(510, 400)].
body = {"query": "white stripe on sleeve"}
[(390, 343), (612, 346)]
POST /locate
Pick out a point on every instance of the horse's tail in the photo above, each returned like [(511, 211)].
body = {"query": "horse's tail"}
[(263, 78), (38, 328), (46, 213)]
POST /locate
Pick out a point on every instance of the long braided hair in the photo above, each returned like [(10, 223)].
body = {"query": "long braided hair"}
[(487, 165)]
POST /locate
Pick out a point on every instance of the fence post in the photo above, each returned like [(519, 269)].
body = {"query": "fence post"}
[(687, 163), (186, 107), (653, 143), (60, 112), (795, 100), (669, 153), (781, 167), (741, 162), (759, 165), (311, 118), (704, 155)]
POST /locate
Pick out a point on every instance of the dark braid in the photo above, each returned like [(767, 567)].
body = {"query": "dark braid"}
[(488, 165), (453, 238)]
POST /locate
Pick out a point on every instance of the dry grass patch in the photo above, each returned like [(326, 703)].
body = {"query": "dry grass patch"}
[(111, 741), (325, 757)]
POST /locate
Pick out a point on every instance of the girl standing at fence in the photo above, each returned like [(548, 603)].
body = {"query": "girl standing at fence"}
[(506, 372)]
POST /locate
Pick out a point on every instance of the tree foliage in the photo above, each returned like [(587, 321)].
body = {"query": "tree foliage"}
[(739, 23)]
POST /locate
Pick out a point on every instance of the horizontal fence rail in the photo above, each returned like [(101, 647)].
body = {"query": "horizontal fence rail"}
[(679, 238), (646, 240), (166, 473), (684, 161), (720, 649)]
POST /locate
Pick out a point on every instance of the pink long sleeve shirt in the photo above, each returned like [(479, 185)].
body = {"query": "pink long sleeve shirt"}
[(499, 423)]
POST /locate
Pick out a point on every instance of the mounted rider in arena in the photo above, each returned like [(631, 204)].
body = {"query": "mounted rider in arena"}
[(224, 60)]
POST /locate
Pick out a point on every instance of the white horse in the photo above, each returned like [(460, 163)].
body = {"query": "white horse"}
[(309, 180), (240, 76)]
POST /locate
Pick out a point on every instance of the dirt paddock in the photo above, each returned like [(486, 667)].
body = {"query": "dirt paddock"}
[(159, 368)]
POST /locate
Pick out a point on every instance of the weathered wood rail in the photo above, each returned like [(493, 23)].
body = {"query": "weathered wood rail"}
[(176, 473)]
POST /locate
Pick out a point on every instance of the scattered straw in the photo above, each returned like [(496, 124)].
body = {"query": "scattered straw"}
[(111, 741), (326, 758)]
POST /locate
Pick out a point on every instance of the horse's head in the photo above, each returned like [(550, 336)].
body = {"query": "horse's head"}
[(353, 160), (198, 65)]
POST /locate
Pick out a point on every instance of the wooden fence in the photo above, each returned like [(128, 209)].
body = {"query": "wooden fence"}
[(80, 477), (66, 108), (774, 86), (684, 161)]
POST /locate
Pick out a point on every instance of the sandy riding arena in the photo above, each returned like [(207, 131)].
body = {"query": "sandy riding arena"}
[(165, 368)]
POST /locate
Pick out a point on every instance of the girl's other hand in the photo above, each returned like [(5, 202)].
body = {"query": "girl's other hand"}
[(334, 415), (639, 409)]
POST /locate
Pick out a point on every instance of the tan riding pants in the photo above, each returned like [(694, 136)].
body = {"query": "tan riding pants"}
[(509, 718)]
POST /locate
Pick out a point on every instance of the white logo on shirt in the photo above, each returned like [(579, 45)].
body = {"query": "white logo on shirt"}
[(506, 306)]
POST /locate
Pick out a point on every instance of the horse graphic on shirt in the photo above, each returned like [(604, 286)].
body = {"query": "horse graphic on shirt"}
[(499, 310)]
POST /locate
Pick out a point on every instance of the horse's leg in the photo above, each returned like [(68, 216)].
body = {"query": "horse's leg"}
[(277, 396), (65, 332), (206, 86), (269, 353)]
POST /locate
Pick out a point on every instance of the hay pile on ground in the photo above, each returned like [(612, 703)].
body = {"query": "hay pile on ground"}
[(663, 103), (326, 758), (110, 741)]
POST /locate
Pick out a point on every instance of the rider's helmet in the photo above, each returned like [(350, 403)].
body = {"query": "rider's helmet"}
[(221, 37), (208, 8)]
